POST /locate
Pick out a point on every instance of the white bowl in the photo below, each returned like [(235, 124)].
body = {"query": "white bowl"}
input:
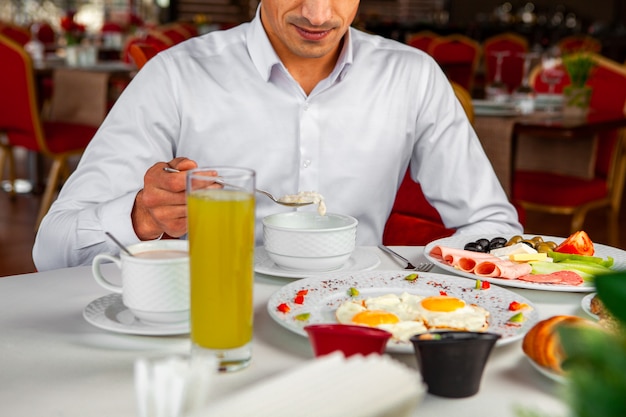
[(306, 241)]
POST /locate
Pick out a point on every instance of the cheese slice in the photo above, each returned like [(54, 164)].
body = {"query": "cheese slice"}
[(528, 257)]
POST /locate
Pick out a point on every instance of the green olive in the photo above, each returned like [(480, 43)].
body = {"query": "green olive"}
[(543, 247), (528, 242), (551, 244), (515, 239), (537, 239)]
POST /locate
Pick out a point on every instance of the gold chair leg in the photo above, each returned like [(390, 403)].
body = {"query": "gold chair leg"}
[(578, 219), (6, 154), (613, 227), (58, 165)]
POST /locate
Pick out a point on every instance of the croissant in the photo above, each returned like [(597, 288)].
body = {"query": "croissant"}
[(542, 343)]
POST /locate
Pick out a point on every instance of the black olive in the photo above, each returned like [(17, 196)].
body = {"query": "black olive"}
[(474, 247), (497, 242), (496, 245), (484, 243)]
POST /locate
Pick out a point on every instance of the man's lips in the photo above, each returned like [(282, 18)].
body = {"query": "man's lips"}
[(312, 35)]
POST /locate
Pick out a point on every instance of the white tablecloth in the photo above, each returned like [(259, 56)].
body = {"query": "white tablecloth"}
[(54, 363)]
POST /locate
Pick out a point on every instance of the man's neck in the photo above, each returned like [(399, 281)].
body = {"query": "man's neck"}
[(309, 72)]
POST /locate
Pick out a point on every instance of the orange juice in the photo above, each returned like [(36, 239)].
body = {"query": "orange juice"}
[(221, 251)]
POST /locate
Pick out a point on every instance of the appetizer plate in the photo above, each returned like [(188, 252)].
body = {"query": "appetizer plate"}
[(110, 313), (326, 293), (585, 303), (458, 242), (547, 372), (362, 259)]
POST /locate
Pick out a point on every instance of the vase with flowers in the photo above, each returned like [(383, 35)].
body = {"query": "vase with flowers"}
[(577, 95), (73, 34)]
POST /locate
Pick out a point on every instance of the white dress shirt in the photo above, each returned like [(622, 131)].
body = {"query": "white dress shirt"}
[(226, 99)]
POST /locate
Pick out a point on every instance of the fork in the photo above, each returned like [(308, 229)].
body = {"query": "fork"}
[(421, 267)]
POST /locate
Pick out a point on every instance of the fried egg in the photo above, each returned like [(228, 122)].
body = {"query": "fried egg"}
[(396, 314), (445, 312)]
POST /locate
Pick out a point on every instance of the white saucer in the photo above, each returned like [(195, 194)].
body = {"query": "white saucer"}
[(362, 259), (110, 313)]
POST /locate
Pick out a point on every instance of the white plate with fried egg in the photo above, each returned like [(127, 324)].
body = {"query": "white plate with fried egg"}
[(459, 241), (331, 298)]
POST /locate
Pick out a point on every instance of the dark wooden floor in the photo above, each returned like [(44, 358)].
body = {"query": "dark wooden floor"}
[(17, 230)]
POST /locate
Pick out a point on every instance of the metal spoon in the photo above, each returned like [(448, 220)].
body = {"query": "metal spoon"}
[(118, 243), (265, 193)]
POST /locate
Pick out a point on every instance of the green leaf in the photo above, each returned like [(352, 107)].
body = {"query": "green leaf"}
[(612, 291), (595, 365)]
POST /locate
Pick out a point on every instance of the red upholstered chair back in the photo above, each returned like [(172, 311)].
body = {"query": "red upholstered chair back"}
[(174, 33), (413, 220), (19, 114), (188, 27), (142, 53), (154, 37), (421, 40), (512, 65), (18, 34), (576, 43), (45, 33), (458, 56)]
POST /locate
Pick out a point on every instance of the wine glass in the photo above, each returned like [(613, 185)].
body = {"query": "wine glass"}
[(524, 94), (552, 73), (497, 90)]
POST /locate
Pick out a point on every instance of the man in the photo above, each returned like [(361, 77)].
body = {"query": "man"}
[(300, 97)]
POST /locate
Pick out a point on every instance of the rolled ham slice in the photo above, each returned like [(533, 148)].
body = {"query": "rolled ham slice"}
[(481, 264), (465, 260), (502, 269)]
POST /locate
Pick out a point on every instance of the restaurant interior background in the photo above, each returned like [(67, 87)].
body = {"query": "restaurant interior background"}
[(542, 22)]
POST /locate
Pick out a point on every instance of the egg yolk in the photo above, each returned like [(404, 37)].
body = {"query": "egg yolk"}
[(442, 303), (373, 318)]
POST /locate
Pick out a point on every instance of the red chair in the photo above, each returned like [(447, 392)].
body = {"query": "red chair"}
[(421, 40), (512, 69), (18, 34), (174, 33), (413, 221), (579, 43), (154, 38), (141, 53), (557, 193), (458, 56), (21, 125)]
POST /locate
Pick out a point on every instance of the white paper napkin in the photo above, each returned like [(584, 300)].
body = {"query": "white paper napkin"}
[(173, 386), (329, 386)]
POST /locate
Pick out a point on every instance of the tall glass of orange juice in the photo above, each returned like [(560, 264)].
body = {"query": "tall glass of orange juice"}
[(220, 216)]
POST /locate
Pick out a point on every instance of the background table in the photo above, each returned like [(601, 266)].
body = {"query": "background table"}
[(54, 363), (543, 141)]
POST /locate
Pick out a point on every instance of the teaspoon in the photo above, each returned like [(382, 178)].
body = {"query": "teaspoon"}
[(265, 193), (118, 243)]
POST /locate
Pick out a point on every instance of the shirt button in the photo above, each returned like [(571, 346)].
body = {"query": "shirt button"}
[(307, 163), (306, 106)]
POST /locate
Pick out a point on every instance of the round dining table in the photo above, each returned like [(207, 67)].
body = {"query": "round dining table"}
[(53, 362)]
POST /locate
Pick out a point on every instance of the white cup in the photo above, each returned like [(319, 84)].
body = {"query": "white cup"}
[(155, 280)]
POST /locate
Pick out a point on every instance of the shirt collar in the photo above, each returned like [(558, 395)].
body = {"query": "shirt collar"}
[(265, 58)]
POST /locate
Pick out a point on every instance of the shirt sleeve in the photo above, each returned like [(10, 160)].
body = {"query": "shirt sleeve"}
[(450, 164), (100, 193)]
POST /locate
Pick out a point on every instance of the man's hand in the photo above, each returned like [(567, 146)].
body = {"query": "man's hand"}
[(161, 206)]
